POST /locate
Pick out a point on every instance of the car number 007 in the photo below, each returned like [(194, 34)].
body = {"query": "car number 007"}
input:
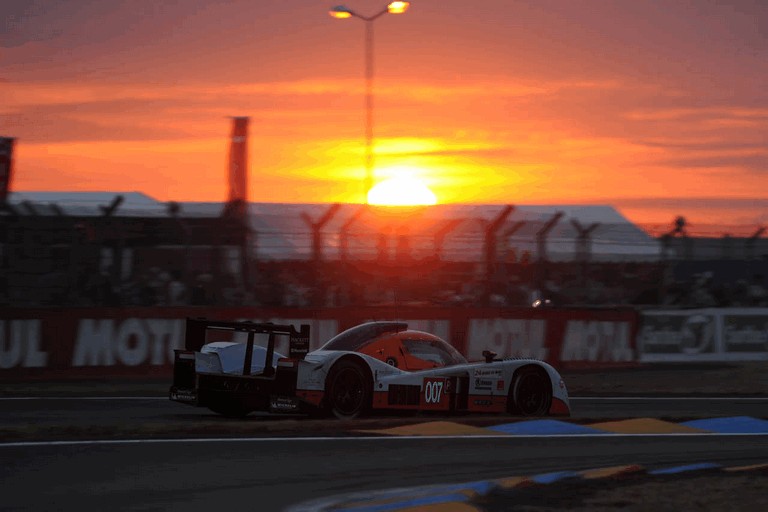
[(433, 391)]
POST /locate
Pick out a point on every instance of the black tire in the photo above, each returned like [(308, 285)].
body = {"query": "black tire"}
[(348, 390), (531, 393)]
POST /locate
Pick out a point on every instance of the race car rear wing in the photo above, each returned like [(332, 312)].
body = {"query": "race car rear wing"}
[(298, 341)]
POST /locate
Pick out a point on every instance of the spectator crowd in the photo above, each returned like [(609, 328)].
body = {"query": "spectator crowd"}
[(337, 284)]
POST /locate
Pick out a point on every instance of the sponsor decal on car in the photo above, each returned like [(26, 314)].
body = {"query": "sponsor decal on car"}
[(433, 393), (283, 404), (487, 372), (186, 395), (433, 390), (483, 384), (298, 347)]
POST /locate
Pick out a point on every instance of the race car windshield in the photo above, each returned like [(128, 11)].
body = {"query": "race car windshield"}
[(356, 337), (435, 351)]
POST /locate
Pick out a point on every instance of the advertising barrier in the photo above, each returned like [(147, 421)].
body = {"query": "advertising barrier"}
[(711, 334), (102, 342), (566, 338)]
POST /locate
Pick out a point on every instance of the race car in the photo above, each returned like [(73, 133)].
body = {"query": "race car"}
[(375, 366)]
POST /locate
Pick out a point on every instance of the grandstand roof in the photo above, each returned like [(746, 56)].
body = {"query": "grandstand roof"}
[(282, 232)]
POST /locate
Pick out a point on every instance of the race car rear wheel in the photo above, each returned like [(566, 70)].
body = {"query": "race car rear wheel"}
[(531, 393), (348, 390)]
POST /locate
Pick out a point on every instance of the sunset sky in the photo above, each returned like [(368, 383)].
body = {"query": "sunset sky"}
[(659, 108)]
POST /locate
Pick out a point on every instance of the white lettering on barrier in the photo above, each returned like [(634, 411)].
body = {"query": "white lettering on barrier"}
[(93, 343), (748, 335), (507, 337), (745, 332), (596, 341), (167, 335), (130, 342), (691, 332), (659, 336), (20, 344)]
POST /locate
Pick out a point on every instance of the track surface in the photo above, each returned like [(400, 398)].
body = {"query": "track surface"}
[(270, 474), (277, 469), (273, 472), (136, 412)]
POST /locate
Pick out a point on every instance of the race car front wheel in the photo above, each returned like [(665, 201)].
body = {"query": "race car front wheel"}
[(348, 390), (531, 393)]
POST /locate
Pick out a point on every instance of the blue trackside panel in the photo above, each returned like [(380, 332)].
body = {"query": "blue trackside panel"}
[(732, 425), (556, 476), (683, 469), (544, 427), (407, 502)]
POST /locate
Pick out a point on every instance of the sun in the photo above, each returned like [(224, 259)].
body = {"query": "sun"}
[(401, 190)]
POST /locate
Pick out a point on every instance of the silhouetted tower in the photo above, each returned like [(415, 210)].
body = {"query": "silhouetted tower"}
[(237, 172), (6, 167)]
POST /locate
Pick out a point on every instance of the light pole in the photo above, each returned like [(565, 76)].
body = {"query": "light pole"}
[(343, 12)]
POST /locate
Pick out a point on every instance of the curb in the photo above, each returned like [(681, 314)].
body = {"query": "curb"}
[(459, 497)]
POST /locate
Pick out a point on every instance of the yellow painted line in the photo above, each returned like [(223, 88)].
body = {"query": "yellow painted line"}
[(514, 481), (612, 472), (442, 507), (469, 493), (351, 505), (645, 426), (753, 467), (435, 428)]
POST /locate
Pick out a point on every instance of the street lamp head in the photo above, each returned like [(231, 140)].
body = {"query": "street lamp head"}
[(341, 12), (398, 7)]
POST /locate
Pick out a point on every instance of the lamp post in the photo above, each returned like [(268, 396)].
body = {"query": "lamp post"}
[(343, 12)]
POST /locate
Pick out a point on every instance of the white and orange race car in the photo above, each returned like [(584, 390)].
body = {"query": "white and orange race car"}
[(375, 366)]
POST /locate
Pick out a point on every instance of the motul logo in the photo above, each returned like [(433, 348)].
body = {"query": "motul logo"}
[(507, 337), (20, 344), (596, 341), (131, 342)]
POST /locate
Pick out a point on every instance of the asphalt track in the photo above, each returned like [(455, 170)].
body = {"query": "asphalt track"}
[(271, 474), (268, 470), (139, 412)]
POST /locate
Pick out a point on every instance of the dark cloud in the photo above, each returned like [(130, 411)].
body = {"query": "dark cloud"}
[(23, 23), (708, 147), (756, 203), (756, 163)]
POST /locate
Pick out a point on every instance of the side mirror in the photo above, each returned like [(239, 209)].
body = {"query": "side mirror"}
[(489, 355)]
